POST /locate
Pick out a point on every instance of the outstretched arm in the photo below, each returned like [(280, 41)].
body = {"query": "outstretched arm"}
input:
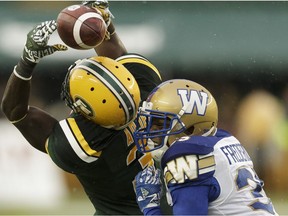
[(33, 123), (112, 46)]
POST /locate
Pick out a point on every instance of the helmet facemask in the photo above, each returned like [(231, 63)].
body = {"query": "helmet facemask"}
[(159, 126), (65, 91)]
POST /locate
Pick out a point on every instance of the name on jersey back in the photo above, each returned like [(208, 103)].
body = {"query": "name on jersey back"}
[(235, 153)]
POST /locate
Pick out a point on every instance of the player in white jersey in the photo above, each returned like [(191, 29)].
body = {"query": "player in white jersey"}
[(206, 170)]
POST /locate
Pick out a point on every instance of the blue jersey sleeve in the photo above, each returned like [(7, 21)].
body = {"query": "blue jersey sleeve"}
[(190, 200), (189, 167), (195, 145), (193, 197)]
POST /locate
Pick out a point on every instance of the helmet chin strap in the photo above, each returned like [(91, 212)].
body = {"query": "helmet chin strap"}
[(157, 154), (209, 132)]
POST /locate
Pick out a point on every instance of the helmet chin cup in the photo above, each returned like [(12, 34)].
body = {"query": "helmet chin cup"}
[(158, 153)]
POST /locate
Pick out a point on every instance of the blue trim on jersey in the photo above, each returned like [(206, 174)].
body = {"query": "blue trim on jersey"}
[(195, 145), (222, 133)]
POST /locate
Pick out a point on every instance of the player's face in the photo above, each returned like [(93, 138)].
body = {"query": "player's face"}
[(159, 125)]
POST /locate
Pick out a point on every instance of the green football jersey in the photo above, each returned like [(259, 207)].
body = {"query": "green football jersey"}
[(105, 161)]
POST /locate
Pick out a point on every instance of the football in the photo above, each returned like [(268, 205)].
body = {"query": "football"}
[(81, 27)]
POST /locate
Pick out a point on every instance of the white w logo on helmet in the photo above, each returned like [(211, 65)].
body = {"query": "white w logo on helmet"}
[(193, 99)]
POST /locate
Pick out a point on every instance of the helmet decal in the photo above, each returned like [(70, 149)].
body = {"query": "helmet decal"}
[(193, 98), (81, 104), (110, 80)]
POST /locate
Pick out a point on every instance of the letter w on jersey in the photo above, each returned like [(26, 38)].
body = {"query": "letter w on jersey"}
[(188, 167), (194, 99)]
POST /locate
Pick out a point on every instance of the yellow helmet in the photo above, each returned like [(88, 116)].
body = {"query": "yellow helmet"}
[(182, 107), (144, 71), (103, 91)]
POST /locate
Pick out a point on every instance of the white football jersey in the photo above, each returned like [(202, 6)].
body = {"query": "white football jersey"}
[(223, 162), (241, 189)]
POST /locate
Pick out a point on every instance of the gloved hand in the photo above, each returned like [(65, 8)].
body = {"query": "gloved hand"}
[(148, 188), (36, 48), (36, 44), (103, 7)]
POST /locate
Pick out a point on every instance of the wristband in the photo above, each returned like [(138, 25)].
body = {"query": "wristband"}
[(18, 120), (110, 31), (113, 33), (24, 69), (19, 76)]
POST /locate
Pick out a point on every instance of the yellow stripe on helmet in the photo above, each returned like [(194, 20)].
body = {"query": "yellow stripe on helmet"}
[(140, 60)]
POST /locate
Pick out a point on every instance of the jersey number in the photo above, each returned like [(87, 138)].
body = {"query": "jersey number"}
[(145, 159), (242, 180)]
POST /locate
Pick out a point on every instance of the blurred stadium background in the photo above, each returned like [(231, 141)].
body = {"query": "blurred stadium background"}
[(237, 49)]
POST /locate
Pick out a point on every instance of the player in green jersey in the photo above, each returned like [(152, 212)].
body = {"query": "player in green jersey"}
[(95, 142)]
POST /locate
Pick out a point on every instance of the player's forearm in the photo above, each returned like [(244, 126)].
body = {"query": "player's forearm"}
[(112, 48), (15, 98)]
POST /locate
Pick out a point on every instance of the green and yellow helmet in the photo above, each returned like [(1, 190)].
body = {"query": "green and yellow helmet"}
[(102, 90)]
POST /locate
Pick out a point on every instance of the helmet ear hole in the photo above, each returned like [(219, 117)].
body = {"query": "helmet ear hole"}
[(92, 89), (104, 101)]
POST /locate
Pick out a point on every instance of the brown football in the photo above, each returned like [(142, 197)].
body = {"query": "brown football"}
[(81, 27)]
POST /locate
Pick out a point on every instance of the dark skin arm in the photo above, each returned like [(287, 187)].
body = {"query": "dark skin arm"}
[(35, 124), (112, 48)]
